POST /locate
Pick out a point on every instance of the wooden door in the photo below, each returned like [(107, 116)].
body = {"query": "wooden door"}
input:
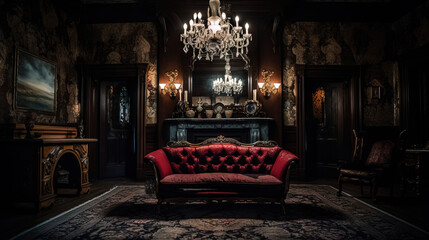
[(117, 125), (327, 118), (322, 144)]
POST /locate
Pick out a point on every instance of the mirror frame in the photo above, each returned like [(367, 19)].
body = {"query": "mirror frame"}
[(217, 67)]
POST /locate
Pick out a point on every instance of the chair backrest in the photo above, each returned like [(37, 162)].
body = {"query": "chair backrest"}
[(381, 153)]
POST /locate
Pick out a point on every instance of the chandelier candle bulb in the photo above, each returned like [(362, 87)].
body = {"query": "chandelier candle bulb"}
[(223, 16), (199, 17), (236, 20), (185, 26), (195, 17), (247, 28)]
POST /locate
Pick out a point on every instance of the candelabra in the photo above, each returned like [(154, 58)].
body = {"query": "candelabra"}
[(218, 38)]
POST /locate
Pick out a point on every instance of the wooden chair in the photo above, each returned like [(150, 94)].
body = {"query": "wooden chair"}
[(378, 163)]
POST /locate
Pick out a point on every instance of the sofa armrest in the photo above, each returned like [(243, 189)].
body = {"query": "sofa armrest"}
[(281, 164), (160, 161)]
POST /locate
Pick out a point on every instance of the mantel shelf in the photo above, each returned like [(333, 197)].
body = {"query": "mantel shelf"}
[(250, 119), (46, 141)]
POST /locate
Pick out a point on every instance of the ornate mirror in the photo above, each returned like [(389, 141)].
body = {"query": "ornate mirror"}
[(208, 81)]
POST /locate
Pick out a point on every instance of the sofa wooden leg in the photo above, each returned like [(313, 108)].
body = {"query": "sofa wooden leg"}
[(283, 204), (158, 205)]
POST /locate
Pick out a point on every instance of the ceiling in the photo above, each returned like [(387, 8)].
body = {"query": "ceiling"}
[(98, 11)]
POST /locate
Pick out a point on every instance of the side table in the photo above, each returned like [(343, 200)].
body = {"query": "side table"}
[(410, 169)]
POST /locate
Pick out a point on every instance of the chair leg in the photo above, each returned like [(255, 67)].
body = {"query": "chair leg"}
[(373, 189), (340, 185)]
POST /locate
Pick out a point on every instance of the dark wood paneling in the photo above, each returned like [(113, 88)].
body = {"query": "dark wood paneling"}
[(269, 59), (172, 58), (151, 138), (289, 139)]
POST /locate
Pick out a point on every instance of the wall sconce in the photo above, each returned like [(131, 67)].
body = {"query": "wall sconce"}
[(267, 87), (171, 88), (374, 91)]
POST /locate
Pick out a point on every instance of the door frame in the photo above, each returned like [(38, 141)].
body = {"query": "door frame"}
[(90, 87), (303, 72)]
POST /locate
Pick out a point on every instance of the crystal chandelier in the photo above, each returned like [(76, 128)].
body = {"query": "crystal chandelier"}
[(218, 38), (230, 85)]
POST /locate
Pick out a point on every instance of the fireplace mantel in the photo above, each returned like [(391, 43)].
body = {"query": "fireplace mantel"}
[(197, 129), (31, 163)]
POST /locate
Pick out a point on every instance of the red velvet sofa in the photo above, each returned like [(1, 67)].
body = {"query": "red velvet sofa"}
[(222, 169)]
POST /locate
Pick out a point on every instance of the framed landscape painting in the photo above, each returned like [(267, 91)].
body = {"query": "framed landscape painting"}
[(35, 83)]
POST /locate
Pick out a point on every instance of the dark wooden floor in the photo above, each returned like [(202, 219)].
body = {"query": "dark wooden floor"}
[(14, 220)]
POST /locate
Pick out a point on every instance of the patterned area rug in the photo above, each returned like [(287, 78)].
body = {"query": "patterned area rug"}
[(313, 212)]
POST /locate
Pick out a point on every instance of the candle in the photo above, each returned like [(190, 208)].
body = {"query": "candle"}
[(199, 17), (185, 93), (185, 26), (247, 28), (236, 21), (180, 94), (254, 94)]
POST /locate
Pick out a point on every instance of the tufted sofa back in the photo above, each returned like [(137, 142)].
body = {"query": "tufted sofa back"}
[(222, 158)]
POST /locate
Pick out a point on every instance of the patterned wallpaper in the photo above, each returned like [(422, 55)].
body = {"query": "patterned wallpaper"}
[(127, 43), (339, 44), (44, 29), (374, 46)]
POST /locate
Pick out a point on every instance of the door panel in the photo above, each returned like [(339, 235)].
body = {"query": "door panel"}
[(117, 125), (326, 113)]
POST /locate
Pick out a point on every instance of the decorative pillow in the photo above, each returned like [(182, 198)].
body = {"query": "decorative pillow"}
[(381, 153)]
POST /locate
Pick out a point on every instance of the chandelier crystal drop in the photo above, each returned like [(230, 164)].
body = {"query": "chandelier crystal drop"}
[(230, 86), (218, 38)]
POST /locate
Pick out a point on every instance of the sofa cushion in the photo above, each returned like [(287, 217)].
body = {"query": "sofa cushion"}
[(221, 178), (227, 158), (220, 185)]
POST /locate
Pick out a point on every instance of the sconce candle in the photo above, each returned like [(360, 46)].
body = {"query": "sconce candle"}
[(185, 95), (254, 94)]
